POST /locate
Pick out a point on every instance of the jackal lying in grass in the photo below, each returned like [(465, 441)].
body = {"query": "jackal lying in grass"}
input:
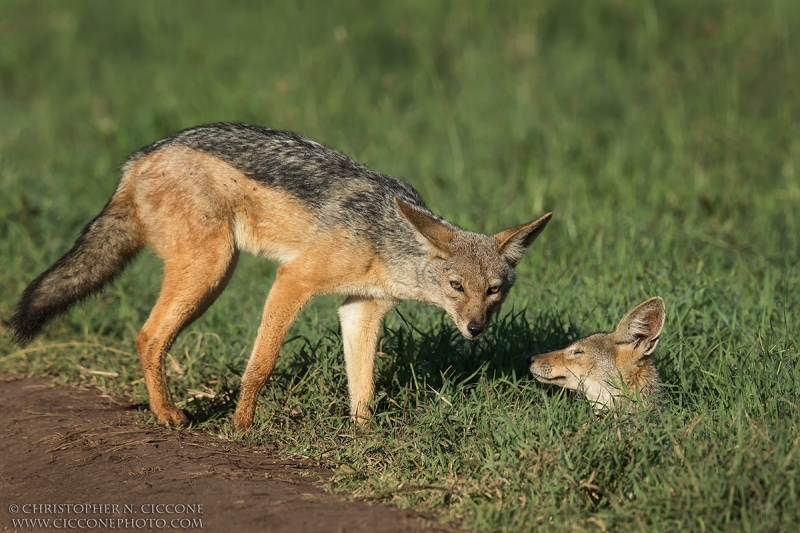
[(610, 368)]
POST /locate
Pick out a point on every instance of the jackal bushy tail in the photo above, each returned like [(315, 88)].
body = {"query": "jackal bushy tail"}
[(102, 251)]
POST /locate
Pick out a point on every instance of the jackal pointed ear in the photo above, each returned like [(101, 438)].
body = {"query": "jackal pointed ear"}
[(513, 242), (642, 326), (436, 233)]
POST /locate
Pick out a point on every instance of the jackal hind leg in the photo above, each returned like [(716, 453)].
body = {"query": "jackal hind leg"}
[(361, 320), (192, 282), (286, 299)]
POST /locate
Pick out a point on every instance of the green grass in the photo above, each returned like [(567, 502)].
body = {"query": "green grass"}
[(664, 136)]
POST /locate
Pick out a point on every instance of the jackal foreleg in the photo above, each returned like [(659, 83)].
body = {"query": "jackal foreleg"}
[(286, 299), (361, 320)]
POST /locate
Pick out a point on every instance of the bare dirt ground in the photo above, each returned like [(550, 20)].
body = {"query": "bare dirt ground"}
[(66, 445)]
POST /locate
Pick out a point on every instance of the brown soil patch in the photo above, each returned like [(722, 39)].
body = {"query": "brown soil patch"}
[(65, 445)]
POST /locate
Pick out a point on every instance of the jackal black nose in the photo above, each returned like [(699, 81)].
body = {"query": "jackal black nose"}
[(529, 359), (475, 329)]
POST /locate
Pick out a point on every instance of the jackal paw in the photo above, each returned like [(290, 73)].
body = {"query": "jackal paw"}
[(361, 417), (171, 417), (243, 420)]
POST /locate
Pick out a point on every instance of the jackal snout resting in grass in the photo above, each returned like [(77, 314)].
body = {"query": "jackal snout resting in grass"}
[(610, 368), (201, 195)]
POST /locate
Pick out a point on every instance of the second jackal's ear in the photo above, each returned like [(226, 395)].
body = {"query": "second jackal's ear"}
[(436, 233), (513, 242), (642, 326)]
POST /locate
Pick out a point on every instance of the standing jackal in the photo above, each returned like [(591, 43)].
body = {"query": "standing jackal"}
[(201, 195), (609, 368)]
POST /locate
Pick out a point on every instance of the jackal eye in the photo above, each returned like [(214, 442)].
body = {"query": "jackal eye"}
[(576, 351), (457, 286), (493, 290)]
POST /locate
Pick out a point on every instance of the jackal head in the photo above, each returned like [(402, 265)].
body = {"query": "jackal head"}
[(609, 367), (469, 274)]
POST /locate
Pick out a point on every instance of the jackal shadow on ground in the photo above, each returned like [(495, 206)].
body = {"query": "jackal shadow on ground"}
[(413, 354), (429, 356)]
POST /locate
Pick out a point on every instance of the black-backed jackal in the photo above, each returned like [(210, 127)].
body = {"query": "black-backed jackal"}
[(202, 195)]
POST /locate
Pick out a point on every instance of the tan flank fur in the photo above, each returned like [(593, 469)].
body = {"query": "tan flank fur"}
[(610, 368), (201, 196)]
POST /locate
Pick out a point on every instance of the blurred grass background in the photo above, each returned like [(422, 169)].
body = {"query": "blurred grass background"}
[(664, 136)]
